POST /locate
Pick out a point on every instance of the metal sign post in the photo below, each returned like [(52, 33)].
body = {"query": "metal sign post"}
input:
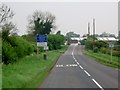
[(111, 45), (111, 54), (42, 41)]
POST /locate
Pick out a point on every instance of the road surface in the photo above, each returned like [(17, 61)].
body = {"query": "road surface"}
[(74, 70)]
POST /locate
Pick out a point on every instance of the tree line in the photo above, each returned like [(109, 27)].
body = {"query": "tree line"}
[(13, 47)]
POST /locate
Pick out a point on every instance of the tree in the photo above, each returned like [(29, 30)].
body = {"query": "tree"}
[(58, 32), (5, 14), (41, 23), (7, 29)]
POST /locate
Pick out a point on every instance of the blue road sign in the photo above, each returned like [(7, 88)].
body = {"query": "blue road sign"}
[(41, 38)]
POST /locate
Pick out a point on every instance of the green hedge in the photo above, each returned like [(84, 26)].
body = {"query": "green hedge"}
[(8, 53), (108, 51), (55, 41), (14, 48)]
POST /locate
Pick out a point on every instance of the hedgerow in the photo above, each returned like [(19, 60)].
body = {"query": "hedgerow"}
[(15, 48)]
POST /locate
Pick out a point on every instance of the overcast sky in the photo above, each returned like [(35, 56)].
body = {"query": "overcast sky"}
[(70, 16)]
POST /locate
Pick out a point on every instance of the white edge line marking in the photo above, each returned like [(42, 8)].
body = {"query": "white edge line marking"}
[(86, 72), (97, 84)]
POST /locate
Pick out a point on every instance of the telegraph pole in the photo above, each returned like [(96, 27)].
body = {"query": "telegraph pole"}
[(93, 32)]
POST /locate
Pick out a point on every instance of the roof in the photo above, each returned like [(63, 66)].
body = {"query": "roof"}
[(107, 38), (75, 38)]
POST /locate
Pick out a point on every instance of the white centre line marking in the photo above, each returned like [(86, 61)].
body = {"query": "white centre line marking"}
[(80, 66), (86, 72), (77, 63), (97, 84)]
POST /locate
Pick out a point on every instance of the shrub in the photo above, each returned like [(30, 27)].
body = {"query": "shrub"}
[(100, 44), (15, 48), (103, 50), (8, 53), (108, 51), (22, 47), (95, 50), (89, 44), (55, 41)]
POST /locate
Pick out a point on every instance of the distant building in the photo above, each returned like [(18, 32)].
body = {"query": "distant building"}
[(109, 39), (72, 37), (104, 34)]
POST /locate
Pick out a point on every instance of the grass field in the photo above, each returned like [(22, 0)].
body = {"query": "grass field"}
[(104, 58), (30, 71)]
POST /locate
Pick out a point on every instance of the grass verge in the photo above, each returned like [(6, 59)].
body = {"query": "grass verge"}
[(30, 71), (103, 58), (0, 76)]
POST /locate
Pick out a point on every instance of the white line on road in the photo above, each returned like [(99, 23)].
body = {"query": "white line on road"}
[(72, 53), (80, 66), (86, 72), (97, 84), (77, 63)]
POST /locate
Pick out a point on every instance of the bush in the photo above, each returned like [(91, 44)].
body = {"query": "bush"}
[(83, 42), (89, 44), (108, 51), (101, 44), (103, 50), (8, 53), (22, 47), (16, 47), (55, 41), (95, 50)]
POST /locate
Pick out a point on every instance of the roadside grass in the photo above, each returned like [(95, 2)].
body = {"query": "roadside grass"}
[(0, 64), (0, 76), (103, 58), (30, 71)]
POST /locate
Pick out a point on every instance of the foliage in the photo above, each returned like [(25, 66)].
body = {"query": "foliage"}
[(5, 14), (55, 41), (83, 42), (95, 50), (58, 32), (97, 44), (103, 58), (100, 44), (30, 71), (41, 23), (89, 44), (8, 53), (14, 48), (29, 37), (108, 51), (7, 29)]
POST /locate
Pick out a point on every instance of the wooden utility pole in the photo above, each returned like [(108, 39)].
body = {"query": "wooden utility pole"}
[(93, 32)]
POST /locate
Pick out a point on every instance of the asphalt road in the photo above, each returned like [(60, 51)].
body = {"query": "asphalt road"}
[(74, 70)]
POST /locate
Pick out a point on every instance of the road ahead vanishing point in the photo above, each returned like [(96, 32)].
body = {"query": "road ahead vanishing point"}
[(74, 70)]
